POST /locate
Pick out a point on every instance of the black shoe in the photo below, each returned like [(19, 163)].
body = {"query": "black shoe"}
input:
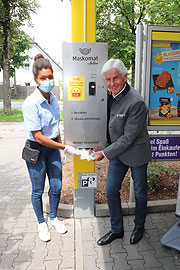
[(136, 235), (109, 237)]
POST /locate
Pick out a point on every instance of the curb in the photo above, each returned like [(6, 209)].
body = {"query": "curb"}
[(101, 210)]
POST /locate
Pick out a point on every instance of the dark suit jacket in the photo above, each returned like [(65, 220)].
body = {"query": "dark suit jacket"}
[(127, 129)]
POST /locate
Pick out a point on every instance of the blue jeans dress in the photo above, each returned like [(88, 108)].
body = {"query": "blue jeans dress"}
[(49, 163)]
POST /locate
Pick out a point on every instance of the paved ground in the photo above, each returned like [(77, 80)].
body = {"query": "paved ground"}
[(21, 249), (15, 105)]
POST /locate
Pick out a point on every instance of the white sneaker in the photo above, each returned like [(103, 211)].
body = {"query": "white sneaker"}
[(44, 234), (57, 225)]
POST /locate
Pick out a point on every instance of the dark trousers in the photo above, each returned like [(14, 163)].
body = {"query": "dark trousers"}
[(116, 173)]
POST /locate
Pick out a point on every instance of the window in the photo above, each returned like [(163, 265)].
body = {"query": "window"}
[(26, 66)]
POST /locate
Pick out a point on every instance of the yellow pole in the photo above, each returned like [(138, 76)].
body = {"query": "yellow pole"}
[(77, 16), (83, 18), (78, 20), (91, 21)]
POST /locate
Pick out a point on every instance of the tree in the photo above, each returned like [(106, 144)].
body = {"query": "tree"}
[(13, 13), (164, 12), (117, 21), (20, 42)]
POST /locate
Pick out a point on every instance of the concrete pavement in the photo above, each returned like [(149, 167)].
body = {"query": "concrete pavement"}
[(18, 105), (15, 105), (21, 249)]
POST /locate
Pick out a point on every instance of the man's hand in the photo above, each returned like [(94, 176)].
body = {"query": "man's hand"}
[(98, 156)]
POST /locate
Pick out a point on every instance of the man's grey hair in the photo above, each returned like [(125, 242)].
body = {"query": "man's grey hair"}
[(114, 63)]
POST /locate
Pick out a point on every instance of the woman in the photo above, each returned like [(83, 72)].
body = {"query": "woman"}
[(41, 119)]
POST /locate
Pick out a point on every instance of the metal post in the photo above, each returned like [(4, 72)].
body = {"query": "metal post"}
[(144, 61), (178, 200), (139, 58), (131, 191), (138, 84), (85, 19)]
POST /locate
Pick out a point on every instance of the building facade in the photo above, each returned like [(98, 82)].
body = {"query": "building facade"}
[(24, 75)]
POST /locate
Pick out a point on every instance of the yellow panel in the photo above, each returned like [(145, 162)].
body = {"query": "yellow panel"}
[(169, 36), (81, 166), (78, 20), (161, 44), (77, 16), (159, 122), (91, 21)]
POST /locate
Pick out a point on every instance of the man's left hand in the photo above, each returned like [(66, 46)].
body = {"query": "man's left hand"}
[(98, 156)]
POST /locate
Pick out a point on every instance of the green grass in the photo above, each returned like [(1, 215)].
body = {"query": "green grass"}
[(12, 116), (1, 100)]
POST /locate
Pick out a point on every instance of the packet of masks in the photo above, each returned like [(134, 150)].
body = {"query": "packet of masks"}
[(86, 154)]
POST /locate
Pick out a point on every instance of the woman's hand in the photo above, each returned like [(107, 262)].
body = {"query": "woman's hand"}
[(71, 150)]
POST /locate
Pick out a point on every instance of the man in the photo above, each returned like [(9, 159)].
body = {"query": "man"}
[(129, 147)]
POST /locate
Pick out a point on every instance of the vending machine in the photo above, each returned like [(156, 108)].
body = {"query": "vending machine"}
[(84, 95), (85, 115)]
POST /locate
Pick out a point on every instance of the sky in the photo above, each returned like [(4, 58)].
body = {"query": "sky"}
[(52, 25)]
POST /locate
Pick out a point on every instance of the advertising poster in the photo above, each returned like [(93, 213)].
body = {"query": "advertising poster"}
[(164, 97), (165, 147), (76, 88)]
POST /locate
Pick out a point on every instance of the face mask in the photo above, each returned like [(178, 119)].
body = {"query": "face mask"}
[(46, 86)]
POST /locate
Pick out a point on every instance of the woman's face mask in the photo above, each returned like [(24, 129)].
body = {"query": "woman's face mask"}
[(45, 80), (46, 86)]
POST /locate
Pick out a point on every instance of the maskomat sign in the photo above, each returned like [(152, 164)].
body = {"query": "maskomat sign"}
[(86, 51)]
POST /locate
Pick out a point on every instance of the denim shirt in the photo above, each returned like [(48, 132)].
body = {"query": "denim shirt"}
[(40, 115)]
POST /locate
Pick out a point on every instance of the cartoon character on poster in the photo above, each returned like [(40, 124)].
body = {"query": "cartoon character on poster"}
[(164, 101)]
